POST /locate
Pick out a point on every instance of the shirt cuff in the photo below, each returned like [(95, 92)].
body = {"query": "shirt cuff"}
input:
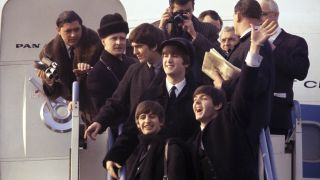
[(253, 60)]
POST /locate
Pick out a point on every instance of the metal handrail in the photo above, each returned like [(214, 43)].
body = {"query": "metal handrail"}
[(74, 152)]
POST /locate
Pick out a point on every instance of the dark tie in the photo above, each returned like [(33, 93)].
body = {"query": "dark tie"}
[(71, 49), (151, 72), (172, 94)]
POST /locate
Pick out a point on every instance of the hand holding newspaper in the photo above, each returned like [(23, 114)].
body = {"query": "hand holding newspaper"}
[(215, 63)]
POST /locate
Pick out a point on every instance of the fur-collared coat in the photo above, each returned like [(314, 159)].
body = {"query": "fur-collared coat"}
[(88, 51)]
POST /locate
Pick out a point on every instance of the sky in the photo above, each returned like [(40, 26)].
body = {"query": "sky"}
[(139, 11)]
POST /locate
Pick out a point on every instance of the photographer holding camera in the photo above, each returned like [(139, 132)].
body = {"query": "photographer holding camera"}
[(178, 21), (68, 57)]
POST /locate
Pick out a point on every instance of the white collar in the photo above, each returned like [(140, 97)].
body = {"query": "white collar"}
[(274, 37), (179, 86), (245, 32)]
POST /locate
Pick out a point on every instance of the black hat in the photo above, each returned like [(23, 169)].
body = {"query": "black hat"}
[(182, 43), (112, 23)]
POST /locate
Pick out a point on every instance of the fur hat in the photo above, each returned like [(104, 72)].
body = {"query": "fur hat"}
[(182, 43), (112, 23)]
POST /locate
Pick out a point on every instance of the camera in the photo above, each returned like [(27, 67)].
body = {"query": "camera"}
[(48, 66), (175, 25), (178, 17)]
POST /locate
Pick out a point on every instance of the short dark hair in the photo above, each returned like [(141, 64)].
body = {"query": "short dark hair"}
[(213, 14), (180, 46), (68, 17), (147, 34), (180, 2), (172, 49), (153, 107), (218, 96), (248, 8)]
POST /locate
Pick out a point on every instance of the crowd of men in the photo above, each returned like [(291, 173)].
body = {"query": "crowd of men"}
[(178, 122)]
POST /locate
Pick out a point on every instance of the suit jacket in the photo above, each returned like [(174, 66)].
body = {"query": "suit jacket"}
[(226, 138), (125, 98), (180, 120), (291, 62), (105, 76)]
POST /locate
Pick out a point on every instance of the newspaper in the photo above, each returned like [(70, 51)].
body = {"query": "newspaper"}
[(213, 61)]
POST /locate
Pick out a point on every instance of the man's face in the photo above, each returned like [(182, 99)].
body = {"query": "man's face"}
[(228, 40), (203, 108), (268, 13), (188, 7), (70, 33), (148, 123), (208, 19), (115, 43), (173, 64), (143, 52), (236, 24)]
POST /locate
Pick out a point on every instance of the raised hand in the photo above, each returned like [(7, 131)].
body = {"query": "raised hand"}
[(261, 34)]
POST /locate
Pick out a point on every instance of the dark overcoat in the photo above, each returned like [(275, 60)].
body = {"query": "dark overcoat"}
[(291, 62), (125, 98), (227, 139), (105, 76)]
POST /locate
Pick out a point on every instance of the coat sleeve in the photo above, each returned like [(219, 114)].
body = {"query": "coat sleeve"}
[(292, 59), (177, 162)]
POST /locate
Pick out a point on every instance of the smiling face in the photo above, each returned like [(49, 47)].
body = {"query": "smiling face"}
[(148, 123), (115, 43), (70, 33), (204, 109), (173, 64)]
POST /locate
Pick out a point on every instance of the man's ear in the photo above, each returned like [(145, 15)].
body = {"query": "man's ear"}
[(138, 126), (154, 48), (237, 17), (217, 107), (58, 30)]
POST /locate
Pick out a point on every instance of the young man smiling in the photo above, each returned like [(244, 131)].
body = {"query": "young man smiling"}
[(145, 40), (224, 148), (173, 91)]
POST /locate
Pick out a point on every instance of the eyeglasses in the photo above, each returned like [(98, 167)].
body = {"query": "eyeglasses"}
[(267, 13)]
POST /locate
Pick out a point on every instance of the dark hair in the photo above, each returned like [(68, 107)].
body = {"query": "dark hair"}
[(148, 106), (147, 34), (218, 96), (248, 8), (172, 49), (68, 17), (213, 14), (180, 46), (180, 2)]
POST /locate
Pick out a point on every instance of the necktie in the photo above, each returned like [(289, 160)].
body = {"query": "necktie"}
[(71, 52), (151, 72), (172, 94)]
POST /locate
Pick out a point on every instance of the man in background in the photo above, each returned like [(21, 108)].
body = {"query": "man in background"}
[(212, 17), (75, 49), (228, 39), (291, 62)]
